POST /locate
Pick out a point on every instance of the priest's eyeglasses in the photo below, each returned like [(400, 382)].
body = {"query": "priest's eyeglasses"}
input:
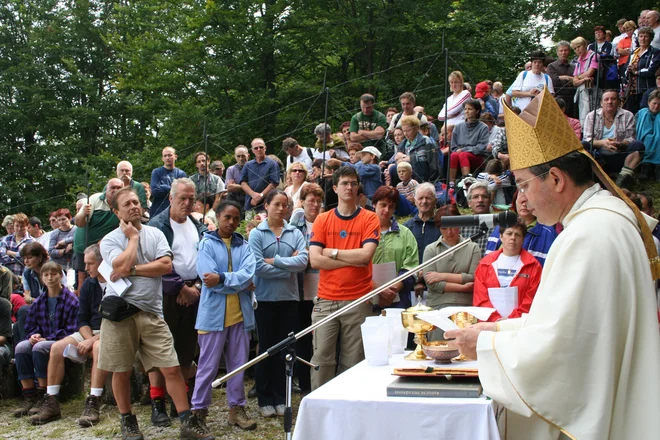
[(522, 186)]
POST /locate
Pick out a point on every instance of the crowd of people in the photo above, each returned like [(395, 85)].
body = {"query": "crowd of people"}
[(315, 225)]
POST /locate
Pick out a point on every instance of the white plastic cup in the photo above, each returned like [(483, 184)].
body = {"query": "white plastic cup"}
[(376, 341), (398, 334)]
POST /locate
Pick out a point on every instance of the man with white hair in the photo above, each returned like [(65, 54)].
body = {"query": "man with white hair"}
[(422, 225), (479, 202), (125, 174), (653, 21), (641, 22), (181, 287)]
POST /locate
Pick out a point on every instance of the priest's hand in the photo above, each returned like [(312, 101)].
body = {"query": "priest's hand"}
[(465, 340), (485, 326)]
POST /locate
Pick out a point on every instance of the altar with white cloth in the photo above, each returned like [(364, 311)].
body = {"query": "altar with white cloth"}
[(355, 406)]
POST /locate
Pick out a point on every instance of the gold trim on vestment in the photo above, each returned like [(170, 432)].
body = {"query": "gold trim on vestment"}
[(562, 430)]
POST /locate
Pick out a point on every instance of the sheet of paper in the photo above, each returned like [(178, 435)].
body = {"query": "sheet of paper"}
[(383, 273), (504, 299), (120, 286), (311, 284), (440, 318)]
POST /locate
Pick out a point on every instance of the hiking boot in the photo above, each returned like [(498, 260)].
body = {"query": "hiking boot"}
[(201, 414), (159, 413), (91, 412), (130, 429), (37, 406), (624, 180), (280, 410), (194, 428), (645, 171), (29, 400), (238, 416), (48, 412)]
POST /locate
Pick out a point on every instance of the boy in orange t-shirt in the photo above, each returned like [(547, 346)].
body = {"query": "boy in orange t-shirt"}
[(342, 244)]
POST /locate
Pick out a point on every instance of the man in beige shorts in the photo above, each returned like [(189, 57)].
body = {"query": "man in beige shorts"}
[(141, 254)]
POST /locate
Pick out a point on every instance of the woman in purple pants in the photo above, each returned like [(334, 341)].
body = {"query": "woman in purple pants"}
[(226, 265)]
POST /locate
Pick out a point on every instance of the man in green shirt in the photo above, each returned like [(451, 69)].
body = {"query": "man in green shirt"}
[(368, 126)]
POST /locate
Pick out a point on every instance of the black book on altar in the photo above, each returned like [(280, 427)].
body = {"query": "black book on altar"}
[(432, 387)]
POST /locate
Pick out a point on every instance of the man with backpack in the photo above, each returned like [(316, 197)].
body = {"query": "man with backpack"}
[(296, 153), (528, 84)]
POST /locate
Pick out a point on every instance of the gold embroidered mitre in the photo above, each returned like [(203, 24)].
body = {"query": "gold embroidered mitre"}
[(540, 134)]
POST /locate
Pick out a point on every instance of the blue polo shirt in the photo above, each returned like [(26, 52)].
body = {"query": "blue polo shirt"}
[(258, 176)]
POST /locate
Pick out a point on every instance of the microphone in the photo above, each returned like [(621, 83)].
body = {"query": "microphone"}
[(504, 219)]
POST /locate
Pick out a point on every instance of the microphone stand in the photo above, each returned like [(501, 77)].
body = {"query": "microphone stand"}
[(288, 345)]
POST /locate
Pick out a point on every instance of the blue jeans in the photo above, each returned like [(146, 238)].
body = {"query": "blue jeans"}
[(32, 360)]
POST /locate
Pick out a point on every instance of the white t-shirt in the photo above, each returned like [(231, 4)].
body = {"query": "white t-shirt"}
[(398, 119), (146, 293), (656, 38), (303, 157), (506, 268), (530, 81), (184, 248)]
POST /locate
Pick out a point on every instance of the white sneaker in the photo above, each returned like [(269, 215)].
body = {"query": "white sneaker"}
[(267, 411), (279, 409)]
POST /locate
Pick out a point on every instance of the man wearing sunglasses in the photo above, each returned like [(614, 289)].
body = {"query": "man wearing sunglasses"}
[(259, 176)]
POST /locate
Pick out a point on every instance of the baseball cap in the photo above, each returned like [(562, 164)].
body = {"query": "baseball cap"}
[(481, 89)]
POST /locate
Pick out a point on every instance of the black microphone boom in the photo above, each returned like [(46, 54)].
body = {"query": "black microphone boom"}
[(504, 218)]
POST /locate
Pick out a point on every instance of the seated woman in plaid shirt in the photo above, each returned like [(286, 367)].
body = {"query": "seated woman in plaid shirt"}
[(52, 316)]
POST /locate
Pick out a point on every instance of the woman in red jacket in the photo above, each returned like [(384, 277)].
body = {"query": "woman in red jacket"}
[(507, 279)]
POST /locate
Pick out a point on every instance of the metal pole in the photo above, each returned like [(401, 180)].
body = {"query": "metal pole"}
[(326, 90), (444, 127), (294, 337), (208, 164)]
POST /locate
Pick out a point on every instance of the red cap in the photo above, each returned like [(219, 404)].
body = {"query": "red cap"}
[(481, 89)]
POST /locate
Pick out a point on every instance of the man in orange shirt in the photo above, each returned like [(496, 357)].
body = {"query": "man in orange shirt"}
[(342, 243)]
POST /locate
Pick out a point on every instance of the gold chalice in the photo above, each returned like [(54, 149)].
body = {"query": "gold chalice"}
[(419, 327), (462, 320)]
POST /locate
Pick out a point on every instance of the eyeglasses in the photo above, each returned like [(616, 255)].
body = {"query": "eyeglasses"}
[(258, 148), (297, 171), (522, 186)]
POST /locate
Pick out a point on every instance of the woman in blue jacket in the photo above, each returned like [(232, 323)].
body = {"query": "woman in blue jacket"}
[(538, 239), (226, 265), (280, 252)]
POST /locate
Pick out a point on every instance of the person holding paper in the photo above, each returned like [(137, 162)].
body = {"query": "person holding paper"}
[(141, 254), (398, 245), (507, 279), (584, 362), (449, 280), (311, 196)]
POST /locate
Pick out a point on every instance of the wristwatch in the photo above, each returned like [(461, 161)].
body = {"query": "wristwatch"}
[(198, 286), (262, 195), (334, 254), (133, 269)]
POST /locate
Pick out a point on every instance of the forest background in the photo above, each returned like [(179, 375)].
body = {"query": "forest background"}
[(86, 83)]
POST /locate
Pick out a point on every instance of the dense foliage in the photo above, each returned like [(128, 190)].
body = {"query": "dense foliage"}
[(86, 83)]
